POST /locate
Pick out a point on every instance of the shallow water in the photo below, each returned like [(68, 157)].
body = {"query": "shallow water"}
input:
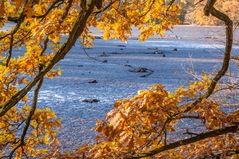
[(65, 94), (187, 48)]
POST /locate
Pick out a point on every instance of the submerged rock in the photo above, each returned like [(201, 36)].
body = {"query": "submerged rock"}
[(104, 61), (121, 45), (138, 69), (93, 100), (158, 52), (92, 81), (104, 55), (128, 65)]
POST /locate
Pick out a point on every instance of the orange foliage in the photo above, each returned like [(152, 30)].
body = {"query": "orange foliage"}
[(138, 125)]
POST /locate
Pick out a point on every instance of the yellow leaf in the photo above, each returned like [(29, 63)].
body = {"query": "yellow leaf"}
[(46, 138)]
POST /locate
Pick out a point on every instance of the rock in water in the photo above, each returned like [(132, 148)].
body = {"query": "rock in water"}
[(93, 100), (104, 61), (138, 69), (121, 45), (104, 55), (92, 81)]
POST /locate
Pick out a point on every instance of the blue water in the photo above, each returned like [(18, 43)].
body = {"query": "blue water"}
[(64, 94)]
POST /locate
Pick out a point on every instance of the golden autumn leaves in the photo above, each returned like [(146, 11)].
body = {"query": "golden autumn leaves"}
[(150, 17), (42, 131), (136, 125)]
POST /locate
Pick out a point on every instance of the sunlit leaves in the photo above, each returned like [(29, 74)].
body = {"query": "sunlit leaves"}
[(43, 131), (150, 17), (135, 125)]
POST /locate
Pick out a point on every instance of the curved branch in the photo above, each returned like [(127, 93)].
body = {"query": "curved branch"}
[(209, 9), (228, 47), (214, 133), (77, 30)]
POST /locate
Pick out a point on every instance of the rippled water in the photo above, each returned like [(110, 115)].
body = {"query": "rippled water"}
[(186, 49), (65, 94)]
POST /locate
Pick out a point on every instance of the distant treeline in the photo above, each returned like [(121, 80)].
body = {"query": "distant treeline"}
[(192, 12)]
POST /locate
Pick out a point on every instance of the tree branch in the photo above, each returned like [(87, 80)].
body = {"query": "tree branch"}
[(28, 121), (77, 30), (209, 9), (54, 5), (214, 133)]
